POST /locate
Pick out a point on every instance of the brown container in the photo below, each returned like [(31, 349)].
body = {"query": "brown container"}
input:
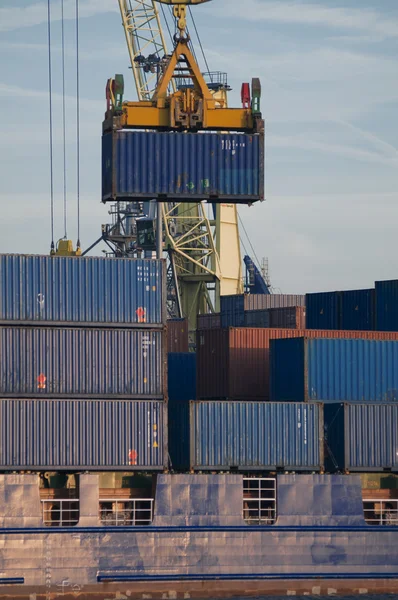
[(212, 321), (262, 301), (291, 317), (234, 363), (177, 335)]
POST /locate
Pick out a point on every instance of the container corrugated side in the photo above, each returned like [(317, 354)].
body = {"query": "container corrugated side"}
[(387, 305), (262, 301), (291, 317), (256, 435), (361, 437), (257, 318), (234, 363), (181, 389), (177, 335), (323, 310), (358, 309), (82, 434), (210, 321), (70, 361), (84, 290), (203, 166), (232, 310), (332, 370)]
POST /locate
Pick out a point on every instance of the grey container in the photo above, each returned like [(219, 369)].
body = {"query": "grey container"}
[(61, 289), (82, 434), (256, 436), (55, 361), (361, 437), (185, 166)]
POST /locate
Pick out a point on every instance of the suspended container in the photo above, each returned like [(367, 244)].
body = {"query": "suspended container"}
[(82, 434), (165, 165), (387, 305), (256, 436), (331, 370), (59, 289), (361, 437), (55, 361), (234, 363)]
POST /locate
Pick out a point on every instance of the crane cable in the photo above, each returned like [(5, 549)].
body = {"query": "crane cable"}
[(200, 43), (77, 126), (248, 239), (50, 126), (63, 116)]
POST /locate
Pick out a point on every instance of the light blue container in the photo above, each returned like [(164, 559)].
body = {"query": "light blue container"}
[(334, 370)]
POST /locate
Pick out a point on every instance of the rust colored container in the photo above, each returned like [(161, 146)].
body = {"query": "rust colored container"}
[(177, 335), (234, 363), (211, 321)]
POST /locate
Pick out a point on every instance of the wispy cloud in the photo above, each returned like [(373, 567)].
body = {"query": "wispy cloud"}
[(14, 17), (116, 50), (20, 92), (313, 14)]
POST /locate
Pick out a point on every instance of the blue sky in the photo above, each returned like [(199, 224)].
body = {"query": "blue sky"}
[(330, 99)]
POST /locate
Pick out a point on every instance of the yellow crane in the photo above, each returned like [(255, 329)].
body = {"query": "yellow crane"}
[(204, 250)]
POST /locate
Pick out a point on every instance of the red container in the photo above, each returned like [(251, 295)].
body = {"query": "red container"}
[(292, 317), (211, 321), (234, 363), (177, 335)]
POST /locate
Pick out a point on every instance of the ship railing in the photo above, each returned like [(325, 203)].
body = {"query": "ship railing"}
[(126, 512), (259, 500), (381, 511), (60, 512)]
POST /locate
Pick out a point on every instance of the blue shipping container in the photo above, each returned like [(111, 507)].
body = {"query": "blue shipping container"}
[(387, 305), (361, 437), (323, 310), (358, 310), (334, 370), (84, 290), (80, 434), (193, 166), (232, 311), (256, 435), (181, 389), (81, 361)]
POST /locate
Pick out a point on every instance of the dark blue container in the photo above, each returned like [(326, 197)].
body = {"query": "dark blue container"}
[(72, 361), (387, 305), (361, 437), (323, 310), (256, 436), (81, 290), (181, 389), (334, 370), (358, 310), (232, 311), (192, 166), (257, 318), (82, 434)]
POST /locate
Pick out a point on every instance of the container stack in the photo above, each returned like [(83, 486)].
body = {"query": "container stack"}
[(82, 363)]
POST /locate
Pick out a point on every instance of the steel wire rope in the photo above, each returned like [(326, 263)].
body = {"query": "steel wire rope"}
[(63, 115), (200, 44), (77, 126), (50, 125), (248, 239)]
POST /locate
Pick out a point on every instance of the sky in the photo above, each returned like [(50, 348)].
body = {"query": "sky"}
[(329, 75)]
